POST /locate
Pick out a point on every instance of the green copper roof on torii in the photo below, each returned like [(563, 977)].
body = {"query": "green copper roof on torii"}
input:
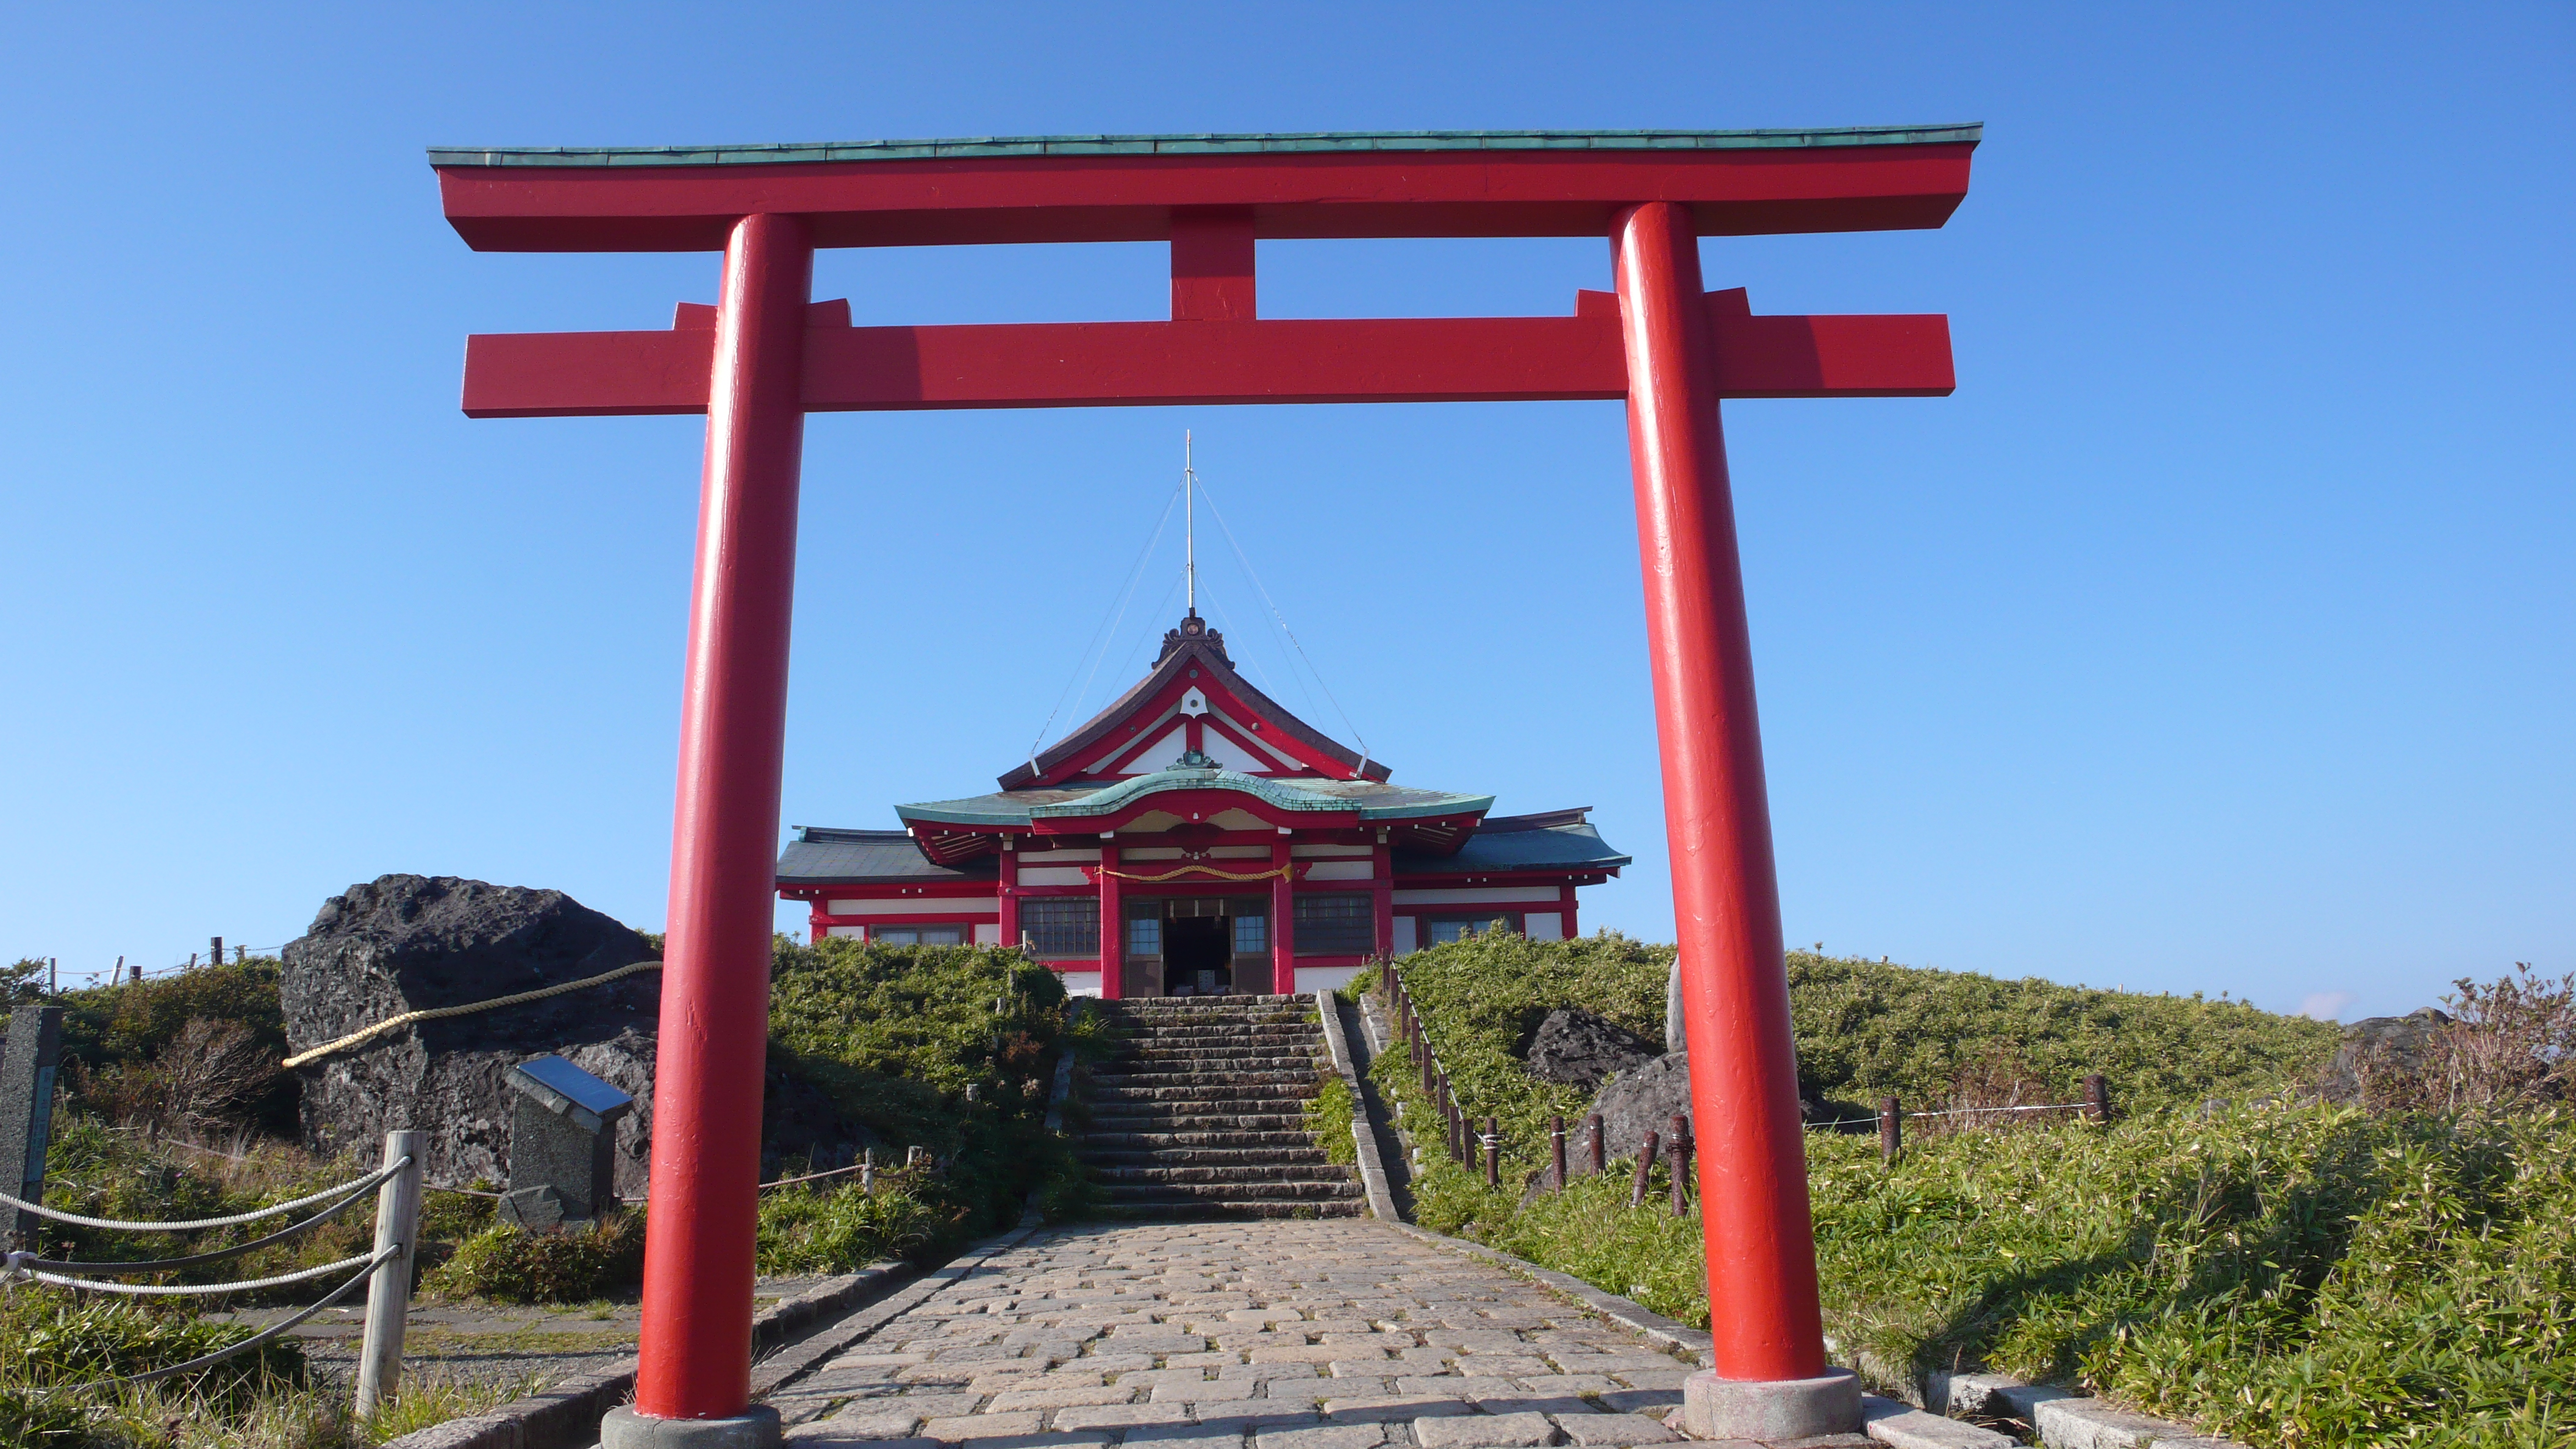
[(1255, 143)]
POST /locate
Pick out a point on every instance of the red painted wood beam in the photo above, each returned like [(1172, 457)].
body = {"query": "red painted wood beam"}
[(953, 201), (1099, 364)]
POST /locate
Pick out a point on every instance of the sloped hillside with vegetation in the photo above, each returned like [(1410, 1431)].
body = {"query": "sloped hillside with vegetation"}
[(173, 1106), (2229, 1251)]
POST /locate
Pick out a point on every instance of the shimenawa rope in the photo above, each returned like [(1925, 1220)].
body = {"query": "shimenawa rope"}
[(439, 1013), (1272, 874)]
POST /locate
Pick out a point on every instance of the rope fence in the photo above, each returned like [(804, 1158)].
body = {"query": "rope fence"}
[(1464, 1143), (387, 1269)]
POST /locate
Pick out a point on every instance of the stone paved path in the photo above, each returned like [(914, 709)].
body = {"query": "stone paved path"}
[(1238, 1335)]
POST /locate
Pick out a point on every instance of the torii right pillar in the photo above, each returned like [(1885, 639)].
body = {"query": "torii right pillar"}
[(1768, 1378)]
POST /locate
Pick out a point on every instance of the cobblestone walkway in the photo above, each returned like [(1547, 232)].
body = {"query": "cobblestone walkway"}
[(1240, 1335)]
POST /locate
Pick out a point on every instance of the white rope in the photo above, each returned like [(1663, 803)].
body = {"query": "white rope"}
[(18, 1270), (274, 1330), (75, 1219), (440, 1013)]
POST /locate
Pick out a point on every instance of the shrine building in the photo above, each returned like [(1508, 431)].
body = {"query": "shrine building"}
[(1195, 838)]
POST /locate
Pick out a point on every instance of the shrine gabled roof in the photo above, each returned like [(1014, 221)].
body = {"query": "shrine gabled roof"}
[(1185, 652), (819, 855), (1373, 799), (1204, 144)]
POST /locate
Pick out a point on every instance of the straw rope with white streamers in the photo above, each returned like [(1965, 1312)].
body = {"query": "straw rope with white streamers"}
[(439, 1013), (195, 1224)]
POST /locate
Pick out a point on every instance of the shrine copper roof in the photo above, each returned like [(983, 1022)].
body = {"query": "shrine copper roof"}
[(819, 855), (1557, 840), (1205, 144)]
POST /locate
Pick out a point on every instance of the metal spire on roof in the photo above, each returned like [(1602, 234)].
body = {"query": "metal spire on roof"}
[(1190, 510)]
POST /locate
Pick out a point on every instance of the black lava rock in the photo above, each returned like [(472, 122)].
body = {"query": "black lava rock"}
[(1579, 1049), (406, 943), (1641, 1101), (2393, 1044)]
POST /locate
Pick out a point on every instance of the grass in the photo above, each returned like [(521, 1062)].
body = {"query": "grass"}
[(2288, 1273), (1329, 1114)]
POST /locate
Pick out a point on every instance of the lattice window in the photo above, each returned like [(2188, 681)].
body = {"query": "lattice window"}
[(1336, 925), (1062, 925)]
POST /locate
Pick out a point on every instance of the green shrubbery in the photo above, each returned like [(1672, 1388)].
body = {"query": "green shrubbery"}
[(2289, 1273), (839, 1230), (899, 1036), (1329, 1114), (511, 1265)]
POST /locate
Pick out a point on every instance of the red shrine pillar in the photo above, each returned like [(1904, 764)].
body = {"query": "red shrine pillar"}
[(1113, 926), (695, 1354), (1283, 919), (1770, 1380)]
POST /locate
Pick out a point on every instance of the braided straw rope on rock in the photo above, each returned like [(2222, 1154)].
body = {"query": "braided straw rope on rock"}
[(437, 1013)]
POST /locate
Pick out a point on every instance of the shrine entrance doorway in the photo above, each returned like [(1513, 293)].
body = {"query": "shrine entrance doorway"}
[(1196, 945)]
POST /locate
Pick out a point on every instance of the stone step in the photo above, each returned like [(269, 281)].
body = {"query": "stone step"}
[(1191, 1138), (1297, 1153), (1242, 1092), (1235, 1211), (1207, 1077), (1312, 1190), (1181, 1175), (1216, 1121)]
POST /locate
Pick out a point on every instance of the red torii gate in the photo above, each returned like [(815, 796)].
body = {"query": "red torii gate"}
[(765, 355)]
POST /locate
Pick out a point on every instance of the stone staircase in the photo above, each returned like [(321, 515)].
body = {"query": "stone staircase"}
[(1203, 1112)]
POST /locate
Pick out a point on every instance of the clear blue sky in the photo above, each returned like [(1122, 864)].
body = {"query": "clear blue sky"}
[(2217, 635)]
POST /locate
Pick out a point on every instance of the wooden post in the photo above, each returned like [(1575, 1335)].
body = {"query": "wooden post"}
[(1600, 1149), (1891, 1129), (1556, 1154), (1493, 1153), (1645, 1165), (1681, 1160), (2097, 1097), (389, 1293), (215, 952), (868, 1173)]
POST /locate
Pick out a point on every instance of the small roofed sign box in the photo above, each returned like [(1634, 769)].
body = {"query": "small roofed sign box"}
[(563, 1140)]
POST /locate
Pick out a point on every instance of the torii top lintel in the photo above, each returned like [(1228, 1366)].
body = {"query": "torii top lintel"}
[(1211, 198), (1125, 188)]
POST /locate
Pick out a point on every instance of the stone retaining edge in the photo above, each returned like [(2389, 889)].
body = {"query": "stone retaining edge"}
[(1381, 1199)]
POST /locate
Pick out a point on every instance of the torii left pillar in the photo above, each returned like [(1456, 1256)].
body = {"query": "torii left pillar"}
[(715, 961)]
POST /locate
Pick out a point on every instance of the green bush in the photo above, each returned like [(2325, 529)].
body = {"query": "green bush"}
[(118, 1041), (1329, 1114), (897, 1035), (507, 1264), (820, 1230)]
